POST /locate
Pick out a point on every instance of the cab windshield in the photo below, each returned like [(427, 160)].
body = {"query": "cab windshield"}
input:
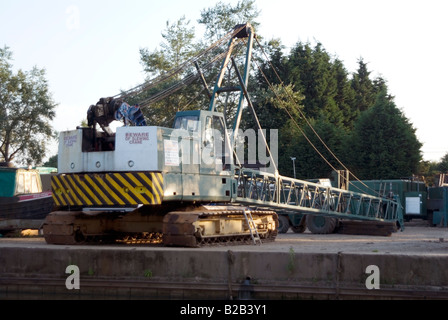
[(190, 123)]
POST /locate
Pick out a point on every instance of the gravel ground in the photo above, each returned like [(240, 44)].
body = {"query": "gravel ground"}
[(417, 238), (413, 240)]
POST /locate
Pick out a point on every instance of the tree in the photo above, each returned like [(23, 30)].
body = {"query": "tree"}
[(324, 83), (177, 47), (312, 163), (172, 82), (26, 109), (428, 170), (443, 164), (345, 95), (272, 65), (274, 109), (363, 87), (218, 21), (52, 162), (222, 18), (383, 144)]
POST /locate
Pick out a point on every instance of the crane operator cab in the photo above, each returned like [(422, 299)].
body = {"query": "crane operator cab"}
[(205, 133)]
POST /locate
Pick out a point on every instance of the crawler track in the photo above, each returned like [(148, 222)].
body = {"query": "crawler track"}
[(220, 227), (191, 228)]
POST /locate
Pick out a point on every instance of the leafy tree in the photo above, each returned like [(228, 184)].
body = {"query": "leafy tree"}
[(173, 86), (163, 99), (26, 109), (279, 109), (273, 106), (272, 64), (177, 47), (334, 103), (383, 144), (222, 18), (323, 81), (219, 21), (52, 162), (443, 164), (313, 159), (319, 84), (429, 170)]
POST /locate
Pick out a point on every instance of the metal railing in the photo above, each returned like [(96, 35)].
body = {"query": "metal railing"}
[(267, 190)]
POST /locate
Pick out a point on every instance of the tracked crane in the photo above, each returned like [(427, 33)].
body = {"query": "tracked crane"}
[(185, 184)]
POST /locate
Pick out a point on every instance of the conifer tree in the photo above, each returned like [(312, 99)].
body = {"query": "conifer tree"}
[(383, 144)]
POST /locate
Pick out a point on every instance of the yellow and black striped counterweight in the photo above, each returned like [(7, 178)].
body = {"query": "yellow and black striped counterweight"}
[(108, 189)]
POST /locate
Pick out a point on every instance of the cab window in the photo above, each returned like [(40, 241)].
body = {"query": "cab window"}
[(190, 123)]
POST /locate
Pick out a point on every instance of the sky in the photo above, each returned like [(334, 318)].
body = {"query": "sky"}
[(90, 48)]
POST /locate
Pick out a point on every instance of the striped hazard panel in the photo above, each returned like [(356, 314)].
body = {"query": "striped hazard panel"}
[(108, 189)]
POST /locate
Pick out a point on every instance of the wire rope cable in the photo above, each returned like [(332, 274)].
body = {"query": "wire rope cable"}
[(306, 120)]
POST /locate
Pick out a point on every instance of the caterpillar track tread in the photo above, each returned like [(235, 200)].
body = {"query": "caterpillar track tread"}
[(192, 228), (197, 229)]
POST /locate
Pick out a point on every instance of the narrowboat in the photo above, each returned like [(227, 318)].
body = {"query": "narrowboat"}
[(23, 202)]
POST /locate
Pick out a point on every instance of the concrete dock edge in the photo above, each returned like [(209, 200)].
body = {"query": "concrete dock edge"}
[(145, 273)]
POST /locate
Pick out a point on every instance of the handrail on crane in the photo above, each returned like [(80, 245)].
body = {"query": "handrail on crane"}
[(273, 191)]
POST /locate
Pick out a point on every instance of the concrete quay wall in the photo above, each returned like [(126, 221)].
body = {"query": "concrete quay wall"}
[(179, 273)]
